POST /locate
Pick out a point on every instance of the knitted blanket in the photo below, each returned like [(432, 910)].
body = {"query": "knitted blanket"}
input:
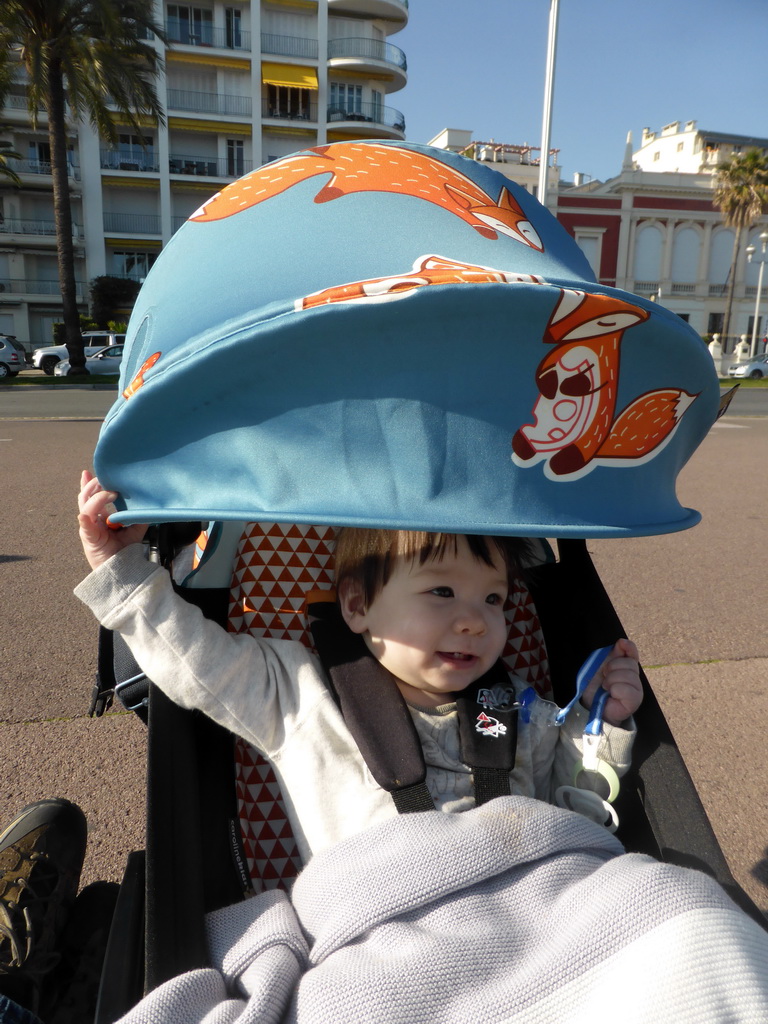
[(515, 911)]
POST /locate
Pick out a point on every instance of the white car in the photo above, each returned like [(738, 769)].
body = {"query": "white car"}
[(47, 358), (755, 370), (107, 360)]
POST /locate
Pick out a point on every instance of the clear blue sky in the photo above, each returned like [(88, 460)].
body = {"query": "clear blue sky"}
[(622, 65)]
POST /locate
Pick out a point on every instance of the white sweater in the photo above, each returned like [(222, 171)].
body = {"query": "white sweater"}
[(273, 694)]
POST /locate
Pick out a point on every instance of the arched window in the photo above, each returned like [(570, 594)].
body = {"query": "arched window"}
[(648, 247), (685, 256), (720, 253)]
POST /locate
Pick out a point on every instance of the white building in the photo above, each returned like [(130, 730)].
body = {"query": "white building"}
[(245, 82), (685, 149), (518, 162)]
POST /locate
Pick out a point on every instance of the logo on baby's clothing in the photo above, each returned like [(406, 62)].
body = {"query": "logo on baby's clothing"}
[(500, 698), (490, 726)]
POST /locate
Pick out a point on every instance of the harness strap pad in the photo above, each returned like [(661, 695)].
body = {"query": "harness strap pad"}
[(381, 724)]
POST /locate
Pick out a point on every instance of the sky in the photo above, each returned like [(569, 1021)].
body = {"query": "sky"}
[(622, 65)]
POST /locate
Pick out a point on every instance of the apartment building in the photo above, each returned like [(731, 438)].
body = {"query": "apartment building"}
[(245, 82)]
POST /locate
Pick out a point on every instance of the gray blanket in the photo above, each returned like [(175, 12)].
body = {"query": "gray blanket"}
[(516, 911)]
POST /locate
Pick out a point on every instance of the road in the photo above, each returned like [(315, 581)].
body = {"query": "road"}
[(694, 602)]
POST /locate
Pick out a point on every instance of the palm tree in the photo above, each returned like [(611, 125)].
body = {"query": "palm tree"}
[(8, 153), (89, 55), (741, 194)]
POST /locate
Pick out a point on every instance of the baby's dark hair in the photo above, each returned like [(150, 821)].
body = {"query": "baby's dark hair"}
[(367, 557)]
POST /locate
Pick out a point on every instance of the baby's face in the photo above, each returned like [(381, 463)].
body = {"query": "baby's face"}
[(438, 627)]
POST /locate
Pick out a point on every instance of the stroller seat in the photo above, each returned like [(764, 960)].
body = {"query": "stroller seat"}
[(276, 567)]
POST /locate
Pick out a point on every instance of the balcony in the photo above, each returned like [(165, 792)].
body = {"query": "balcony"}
[(372, 56), (380, 121), (40, 167), (132, 223), (112, 160), (16, 226), (208, 166), (209, 103), (21, 286), (288, 46), (294, 107), (230, 38), (393, 11)]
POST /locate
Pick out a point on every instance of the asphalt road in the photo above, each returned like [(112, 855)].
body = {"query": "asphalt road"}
[(694, 602)]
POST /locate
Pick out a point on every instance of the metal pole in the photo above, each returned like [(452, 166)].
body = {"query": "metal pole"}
[(549, 88), (753, 346)]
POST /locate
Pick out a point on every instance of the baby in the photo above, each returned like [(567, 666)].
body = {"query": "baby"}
[(429, 607)]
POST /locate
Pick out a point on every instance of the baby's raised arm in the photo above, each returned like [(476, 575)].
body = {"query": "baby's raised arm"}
[(99, 540)]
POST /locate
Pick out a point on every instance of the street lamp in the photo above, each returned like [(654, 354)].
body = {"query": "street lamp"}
[(549, 88), (762, 260)]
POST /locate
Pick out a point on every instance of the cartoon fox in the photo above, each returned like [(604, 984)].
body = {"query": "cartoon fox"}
[(427, 270), (356, 167), (574, 419)]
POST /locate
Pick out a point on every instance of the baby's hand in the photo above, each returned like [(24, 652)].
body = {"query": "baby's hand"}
[(99, 541), (620, 676)]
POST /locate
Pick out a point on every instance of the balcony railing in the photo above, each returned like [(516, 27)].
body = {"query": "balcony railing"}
[(209, 103), (374, 49), (232, 38), (40, 167), (15, 226), (288, 46), (683, 289), (138, 161), (209, 166), (22, 286), (292, 110), (374, 113), (132, 223)]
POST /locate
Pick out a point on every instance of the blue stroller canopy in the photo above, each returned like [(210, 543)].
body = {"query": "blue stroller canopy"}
[(385, 334)]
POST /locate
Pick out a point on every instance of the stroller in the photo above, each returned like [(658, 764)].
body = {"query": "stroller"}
[(379, 335)]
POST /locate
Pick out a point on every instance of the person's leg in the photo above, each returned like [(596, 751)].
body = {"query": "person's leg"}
[(41, 857)]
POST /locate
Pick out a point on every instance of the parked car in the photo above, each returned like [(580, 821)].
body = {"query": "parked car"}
[(46, 359), (755, 369), (106, 360), (13, 358)]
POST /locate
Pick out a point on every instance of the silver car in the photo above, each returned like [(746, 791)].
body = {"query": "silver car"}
[(107, 360), (755, 370)]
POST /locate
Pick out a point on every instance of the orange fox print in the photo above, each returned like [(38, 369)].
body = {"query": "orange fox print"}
[(356, 167), (427, 270), (575, 424), (138, 380)]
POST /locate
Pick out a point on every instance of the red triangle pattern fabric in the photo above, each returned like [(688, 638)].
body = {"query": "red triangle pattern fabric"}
[(526, 654), (275, 566)]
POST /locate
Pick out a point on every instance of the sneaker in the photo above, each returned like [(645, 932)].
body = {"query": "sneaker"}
[(72, 991), (41, 857)]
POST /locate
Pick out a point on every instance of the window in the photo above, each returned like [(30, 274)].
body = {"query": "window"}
[(286, 101), (40, 157), (235, 163), (233, 27), (132, 156), (347, 98), (657, 155), (132, 264), (590, 246), (190, 25), (377, 111)]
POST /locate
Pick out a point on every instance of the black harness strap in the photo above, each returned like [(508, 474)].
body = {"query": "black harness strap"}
[(381, 724)]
